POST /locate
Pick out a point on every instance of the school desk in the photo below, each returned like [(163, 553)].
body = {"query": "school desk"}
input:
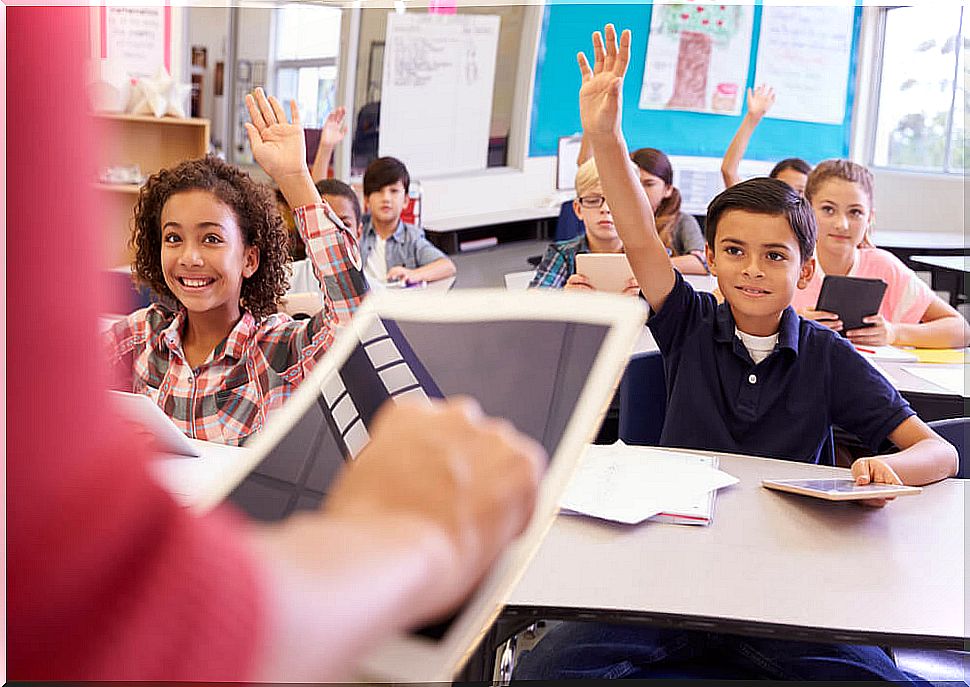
[(448, 233), (949, 274), (770, 564)]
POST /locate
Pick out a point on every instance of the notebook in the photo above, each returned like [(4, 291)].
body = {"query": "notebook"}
[(548, 361)]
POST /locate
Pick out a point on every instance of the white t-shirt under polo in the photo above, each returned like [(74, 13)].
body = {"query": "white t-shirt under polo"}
[(759, 347), (376, 267)]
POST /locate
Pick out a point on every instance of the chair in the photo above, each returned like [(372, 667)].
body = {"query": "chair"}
[(568, 226), (643, 399), (955, 431)]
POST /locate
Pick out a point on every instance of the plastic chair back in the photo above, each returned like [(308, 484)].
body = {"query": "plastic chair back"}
[(643, 400), (955, 431), (568, 226)]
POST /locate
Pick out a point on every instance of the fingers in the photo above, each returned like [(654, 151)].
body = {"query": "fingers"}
[(584, 68), (623, 56), (599, 55), (254, 113), (265, 109), (253, 133), (610, 41)]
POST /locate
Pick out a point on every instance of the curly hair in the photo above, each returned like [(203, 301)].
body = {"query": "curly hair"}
[(254, 207)]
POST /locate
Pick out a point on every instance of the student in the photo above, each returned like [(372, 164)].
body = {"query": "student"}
[(840, 192), (209, 241), (678, 230), (346, 206), (747, 376), (392, 250), (558, 267), (108, 578), (793, 170)]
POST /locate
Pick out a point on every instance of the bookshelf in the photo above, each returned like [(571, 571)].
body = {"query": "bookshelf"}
[(153, 144)]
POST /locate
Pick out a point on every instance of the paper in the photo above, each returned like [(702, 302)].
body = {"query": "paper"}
[(953, 379), (888, 353), (629, 484), (436, 107), (941, 355), (804, 53), (697, 57)]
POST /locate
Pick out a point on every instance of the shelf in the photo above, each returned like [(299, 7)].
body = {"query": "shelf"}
[(119, 188), (149, 119)]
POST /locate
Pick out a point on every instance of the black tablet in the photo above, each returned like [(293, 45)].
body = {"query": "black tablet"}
[(851, 298)]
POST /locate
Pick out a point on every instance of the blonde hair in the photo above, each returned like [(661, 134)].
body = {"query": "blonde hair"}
[(587, 178)]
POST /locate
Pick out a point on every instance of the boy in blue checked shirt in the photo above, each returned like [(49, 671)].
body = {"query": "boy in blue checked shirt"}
[(747, 376), (558, 267)]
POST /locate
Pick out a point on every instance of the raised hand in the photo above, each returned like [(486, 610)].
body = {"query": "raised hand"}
[(334, 127), (278, 146), (600, 98), (760, 100)]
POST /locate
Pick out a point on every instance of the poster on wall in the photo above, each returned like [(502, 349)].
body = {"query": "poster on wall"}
[(138, 38), (804, 53), (436, 100), (697, 57)]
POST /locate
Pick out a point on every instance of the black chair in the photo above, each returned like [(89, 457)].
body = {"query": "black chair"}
[(955, 431), (568, 225)]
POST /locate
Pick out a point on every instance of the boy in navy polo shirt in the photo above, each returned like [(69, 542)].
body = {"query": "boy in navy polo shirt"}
[(747, 376)]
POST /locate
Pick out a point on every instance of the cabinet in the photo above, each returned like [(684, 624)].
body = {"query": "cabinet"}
[(153, 144)]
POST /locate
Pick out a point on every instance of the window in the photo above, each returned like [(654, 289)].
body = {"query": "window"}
[(922, 91), (307, 43)]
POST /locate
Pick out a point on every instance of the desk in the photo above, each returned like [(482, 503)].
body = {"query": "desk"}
[(920, 240), (447, 233), (770, 564), (929, 400), (949, 274), (960, 263)]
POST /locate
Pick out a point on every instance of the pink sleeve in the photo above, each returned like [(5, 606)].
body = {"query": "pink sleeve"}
[(907, 296), (107, 578)]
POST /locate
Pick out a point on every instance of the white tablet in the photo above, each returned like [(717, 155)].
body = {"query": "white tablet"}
[(840, 489), (547, 361), (142, 411), (608, 272)]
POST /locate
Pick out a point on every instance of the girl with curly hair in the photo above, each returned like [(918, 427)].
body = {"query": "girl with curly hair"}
[(214, 354)]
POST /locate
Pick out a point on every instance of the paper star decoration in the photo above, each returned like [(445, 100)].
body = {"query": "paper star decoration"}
[(159, 96)]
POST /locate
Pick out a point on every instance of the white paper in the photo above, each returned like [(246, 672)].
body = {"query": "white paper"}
[(889, 354), (950, 378), (135, 37), (697, 57), (436, 105), (804, 54), (629, 484)]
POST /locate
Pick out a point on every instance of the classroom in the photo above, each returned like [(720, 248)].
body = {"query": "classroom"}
[(564, 327)]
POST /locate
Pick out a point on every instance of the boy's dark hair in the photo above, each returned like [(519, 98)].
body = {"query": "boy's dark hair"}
[(766, 196), (254, 207), (385, 171), (333, 187), (796, 163)]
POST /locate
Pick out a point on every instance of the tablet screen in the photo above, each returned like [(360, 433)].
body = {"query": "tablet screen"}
[(531, 372)]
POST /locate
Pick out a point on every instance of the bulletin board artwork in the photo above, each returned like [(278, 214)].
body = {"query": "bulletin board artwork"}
[(566, 30)]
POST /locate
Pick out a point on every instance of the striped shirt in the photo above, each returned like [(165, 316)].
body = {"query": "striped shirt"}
[(259, 364)]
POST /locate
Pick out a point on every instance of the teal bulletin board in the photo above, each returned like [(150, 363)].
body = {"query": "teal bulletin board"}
[(567, 28)]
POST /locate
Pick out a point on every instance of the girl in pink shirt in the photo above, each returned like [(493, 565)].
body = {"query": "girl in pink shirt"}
[(840, 192)]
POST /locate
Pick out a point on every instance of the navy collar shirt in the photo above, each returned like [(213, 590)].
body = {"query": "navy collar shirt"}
[(718, 399)]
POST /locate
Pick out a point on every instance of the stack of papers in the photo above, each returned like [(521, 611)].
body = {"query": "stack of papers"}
[(630, 484), (887, 353)]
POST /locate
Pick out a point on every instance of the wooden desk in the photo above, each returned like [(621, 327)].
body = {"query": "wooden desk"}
[(447, 233), (770, 564)]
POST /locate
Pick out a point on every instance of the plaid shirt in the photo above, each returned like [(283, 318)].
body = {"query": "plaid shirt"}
[(559, 263), (258, 366)]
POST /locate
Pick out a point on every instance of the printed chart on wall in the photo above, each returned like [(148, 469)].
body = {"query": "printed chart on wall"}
[(697, 57), (436, 105), (804, 54), (136, 37)]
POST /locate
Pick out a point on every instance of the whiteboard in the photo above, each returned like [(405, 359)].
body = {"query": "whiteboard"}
[(804, 53), (436, 103)]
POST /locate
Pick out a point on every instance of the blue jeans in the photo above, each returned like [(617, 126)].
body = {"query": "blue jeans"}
[(597, 650)]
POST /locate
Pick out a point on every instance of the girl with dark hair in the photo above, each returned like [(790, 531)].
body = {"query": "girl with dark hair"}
[(214, 354), (679, 231)]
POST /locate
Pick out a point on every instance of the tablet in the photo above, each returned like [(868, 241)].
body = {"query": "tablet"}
[(545, 360), (608, 272), (851, 298), (142, 410), (839, 489)]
